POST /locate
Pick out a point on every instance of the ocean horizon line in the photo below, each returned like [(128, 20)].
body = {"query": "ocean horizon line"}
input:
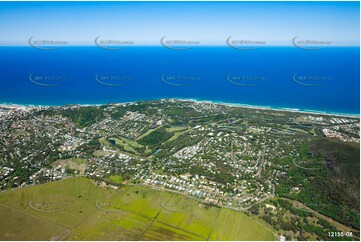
[(191, 47)]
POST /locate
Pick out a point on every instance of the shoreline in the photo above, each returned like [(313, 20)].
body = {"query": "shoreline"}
[(271, 108), (240, 105)]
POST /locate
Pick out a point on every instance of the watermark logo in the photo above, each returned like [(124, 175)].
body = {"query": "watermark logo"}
[(47, 207), (46, 80), (295, 121), (310, 206), (310, 44), (178, 44), (111, 206), (46, 44), (310, 80), (183, 205), (113, 44), (113, 80), (179, 80), (307, 165), (244, 44), (244, 80)]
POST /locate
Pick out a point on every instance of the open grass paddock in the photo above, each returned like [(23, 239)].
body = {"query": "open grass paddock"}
[(77, 209)]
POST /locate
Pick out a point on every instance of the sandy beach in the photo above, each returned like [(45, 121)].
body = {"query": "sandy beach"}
[(264, 108)]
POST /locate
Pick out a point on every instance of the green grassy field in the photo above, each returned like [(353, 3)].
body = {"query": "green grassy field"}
[(139, 200), (186, 213), (177, 128), (127, 144), (115, 179), (175, 136), (18, 225), (77, 209), (231, 225), (73, 163)]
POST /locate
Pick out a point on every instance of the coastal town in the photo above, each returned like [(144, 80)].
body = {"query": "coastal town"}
[(222, 155), (225, 146)]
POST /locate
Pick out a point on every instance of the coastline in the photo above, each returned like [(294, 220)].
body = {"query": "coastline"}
[(271, 108), (240, 105)]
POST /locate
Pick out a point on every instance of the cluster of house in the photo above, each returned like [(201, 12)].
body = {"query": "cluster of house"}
[(208, 191), (52, 174), (341, 136), (5, 171)]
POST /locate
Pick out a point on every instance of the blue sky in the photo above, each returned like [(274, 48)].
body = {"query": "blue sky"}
[(207, 22)]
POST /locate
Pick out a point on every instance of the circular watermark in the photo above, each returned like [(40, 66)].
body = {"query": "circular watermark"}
[(42, 44), (113, 207), (182, 205), (244, 80), (311, 206), (113, 44), (176, 44), (310, 44), (297, 122), (112, 80), (46, 80), (306, 165), (179, 80), (242, 44), (47, 207), (310, 80)]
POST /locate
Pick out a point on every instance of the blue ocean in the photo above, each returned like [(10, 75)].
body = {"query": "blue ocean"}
[(326, 80)]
